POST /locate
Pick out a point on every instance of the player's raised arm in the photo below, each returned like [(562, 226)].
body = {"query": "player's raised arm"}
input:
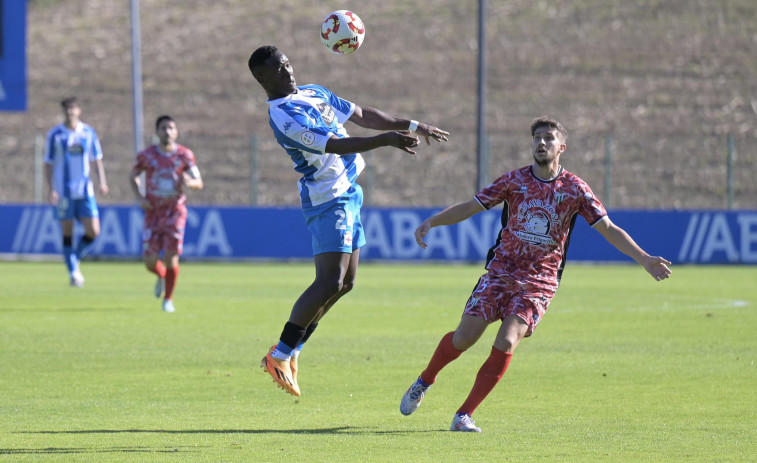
[(372, 118), (349, 145), (654, 265), (449, 216)]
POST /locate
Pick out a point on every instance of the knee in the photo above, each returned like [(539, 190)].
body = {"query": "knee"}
[(347, 286), (328, 287), (505, 345), (150, 262), (462, 342), (338, 287), (92, 231)]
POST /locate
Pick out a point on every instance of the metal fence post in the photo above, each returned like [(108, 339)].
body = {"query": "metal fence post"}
[(39, 178), (608, 171), (366, 178), (731, 157), (254, 170)]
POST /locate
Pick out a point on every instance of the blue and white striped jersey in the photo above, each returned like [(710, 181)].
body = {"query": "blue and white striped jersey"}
[(70, 152), (302, 123)]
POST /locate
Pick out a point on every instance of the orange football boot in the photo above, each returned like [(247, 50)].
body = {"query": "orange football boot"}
[(281, 372)]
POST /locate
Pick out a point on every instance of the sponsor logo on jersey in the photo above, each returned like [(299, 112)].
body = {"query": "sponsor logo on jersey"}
[(327, 112), (307, 137), (75, 148), (536, 218)]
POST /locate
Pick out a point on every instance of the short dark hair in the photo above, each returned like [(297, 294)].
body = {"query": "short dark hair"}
[(260, 56), (163, 118), (551, 123), (69, 102)]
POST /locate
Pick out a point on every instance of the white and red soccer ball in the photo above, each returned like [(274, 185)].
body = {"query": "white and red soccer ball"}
[(342, 32)]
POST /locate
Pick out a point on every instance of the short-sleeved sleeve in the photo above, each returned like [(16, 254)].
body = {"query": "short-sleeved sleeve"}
[(494, 193), (294, 128), (189, 159), (139, 164), (590, 208), (97, 151)]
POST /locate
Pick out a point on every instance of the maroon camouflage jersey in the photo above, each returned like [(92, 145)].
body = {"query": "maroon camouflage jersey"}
[(164, 187), (537, 221)]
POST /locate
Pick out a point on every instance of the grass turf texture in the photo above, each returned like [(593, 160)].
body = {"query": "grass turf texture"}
[(621, 369)]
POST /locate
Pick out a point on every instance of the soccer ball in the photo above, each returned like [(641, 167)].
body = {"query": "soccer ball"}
[(342, 32)]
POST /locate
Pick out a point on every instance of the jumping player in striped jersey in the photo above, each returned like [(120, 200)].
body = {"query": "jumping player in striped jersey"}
[(308, 122), (524, 267), (72, 151)]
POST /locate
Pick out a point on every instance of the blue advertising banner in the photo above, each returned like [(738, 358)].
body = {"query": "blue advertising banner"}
[(227, 233), (12, 55)]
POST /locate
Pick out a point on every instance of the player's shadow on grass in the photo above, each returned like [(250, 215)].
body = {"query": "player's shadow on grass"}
[(334, 430), (58, 309), (82, 450), (138, 449)]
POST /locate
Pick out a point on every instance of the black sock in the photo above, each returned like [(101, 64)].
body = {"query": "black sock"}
[(292, 335), (309, 331)]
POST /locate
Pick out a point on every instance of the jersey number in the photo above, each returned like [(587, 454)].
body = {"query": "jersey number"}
[(342, 217)]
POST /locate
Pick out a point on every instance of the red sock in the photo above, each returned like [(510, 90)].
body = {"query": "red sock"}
[(488, 377), (444, 354), (159, 269), (172, 274)]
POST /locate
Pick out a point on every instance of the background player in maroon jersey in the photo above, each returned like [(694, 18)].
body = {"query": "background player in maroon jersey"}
[(524, 266), (169, 167)]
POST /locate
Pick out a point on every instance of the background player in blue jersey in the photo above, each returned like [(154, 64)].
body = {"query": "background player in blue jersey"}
[(308, 122), (72, 151)]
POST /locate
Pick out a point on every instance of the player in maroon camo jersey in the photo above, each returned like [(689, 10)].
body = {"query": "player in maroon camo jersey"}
[(524, 267), (169, 167)]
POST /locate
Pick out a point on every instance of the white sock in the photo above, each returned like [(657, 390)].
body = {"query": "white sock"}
[(277, 354)]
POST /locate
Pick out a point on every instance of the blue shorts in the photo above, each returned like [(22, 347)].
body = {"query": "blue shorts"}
[(69, 209), (335, 226)]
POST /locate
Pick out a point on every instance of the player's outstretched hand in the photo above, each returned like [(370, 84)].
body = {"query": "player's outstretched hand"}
[(52, 198), (657, 267), (403, 141), (429, 131), (422, 231)]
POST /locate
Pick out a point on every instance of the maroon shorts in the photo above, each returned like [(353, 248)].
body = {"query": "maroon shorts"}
[(497, 296), (153, 242), (164, 230)]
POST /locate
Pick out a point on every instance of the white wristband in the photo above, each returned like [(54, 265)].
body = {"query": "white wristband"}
[(413, 126)]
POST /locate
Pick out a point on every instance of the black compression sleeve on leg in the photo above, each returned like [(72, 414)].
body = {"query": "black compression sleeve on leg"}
[(309, 331), (292, 335)]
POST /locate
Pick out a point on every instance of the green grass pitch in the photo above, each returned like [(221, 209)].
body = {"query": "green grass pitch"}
[(622, 368)]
